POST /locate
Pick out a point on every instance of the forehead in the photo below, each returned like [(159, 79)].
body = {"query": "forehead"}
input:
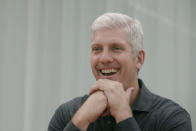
[(108, 36)]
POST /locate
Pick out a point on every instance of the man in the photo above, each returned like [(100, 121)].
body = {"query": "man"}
[(118, 100)]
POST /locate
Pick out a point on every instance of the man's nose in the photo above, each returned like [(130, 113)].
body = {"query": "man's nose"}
[(106, 57)]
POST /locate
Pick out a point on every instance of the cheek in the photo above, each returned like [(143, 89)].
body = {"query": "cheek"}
[(127, 65), (123, 61), (93, 62)]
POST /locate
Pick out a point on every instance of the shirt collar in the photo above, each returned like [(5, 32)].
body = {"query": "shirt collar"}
[(144, 99)]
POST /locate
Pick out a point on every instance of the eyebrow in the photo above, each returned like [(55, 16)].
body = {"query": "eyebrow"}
[(96, 44), (111, 44)]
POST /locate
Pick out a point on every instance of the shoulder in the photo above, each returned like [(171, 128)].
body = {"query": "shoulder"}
[(165, 105), (170, 114), (73, 105), (65, 112)]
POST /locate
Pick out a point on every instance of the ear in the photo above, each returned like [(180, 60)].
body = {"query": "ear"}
[(140, 59)]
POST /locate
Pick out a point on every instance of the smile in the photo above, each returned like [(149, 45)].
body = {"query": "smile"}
[(108, 72)]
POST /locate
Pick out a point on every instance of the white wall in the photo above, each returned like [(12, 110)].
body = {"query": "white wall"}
[(45, 49)]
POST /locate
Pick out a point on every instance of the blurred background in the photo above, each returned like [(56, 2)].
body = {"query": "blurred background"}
[(45, 52)]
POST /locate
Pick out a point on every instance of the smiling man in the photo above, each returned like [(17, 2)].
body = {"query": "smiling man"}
[(118, 100)]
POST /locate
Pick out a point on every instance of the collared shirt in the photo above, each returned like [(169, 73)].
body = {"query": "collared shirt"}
[(151, 113)]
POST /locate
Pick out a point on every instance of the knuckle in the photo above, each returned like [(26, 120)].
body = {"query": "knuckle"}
[(112, 89), (102, 96), (120, 85)]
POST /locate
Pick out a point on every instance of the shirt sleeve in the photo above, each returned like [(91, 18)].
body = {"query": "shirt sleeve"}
[(61, 121), (129, 124), (71, 127)]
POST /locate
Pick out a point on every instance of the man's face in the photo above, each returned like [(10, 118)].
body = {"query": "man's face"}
[(111, 57)]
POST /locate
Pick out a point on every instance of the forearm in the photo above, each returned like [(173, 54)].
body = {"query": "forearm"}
[(79, 121), (85, 115)]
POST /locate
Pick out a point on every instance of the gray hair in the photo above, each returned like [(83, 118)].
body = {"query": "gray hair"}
[(128, 24)]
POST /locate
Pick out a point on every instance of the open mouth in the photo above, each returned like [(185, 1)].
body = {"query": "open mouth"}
[(108, 72)]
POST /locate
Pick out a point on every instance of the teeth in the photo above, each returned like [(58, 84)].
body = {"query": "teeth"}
[(109, 70)]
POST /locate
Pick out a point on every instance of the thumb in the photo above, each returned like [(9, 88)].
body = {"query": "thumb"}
[(129, 92)]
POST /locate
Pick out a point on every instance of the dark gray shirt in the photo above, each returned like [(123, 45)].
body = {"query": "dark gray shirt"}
[(151, 113)]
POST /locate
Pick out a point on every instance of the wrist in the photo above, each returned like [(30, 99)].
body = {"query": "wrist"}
[(80, 123), (123, 116)]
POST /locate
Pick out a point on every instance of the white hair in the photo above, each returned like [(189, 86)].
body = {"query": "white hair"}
[(128, 24)]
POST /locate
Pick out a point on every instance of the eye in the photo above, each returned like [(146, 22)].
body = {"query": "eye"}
[(96, 48), (116, 48)]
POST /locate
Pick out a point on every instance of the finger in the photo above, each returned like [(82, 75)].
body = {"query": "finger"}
[(95, 87), (129, 91), (99, 85), (93, 90)]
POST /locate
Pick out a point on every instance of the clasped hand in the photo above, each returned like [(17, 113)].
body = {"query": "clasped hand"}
[(107, 97)]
